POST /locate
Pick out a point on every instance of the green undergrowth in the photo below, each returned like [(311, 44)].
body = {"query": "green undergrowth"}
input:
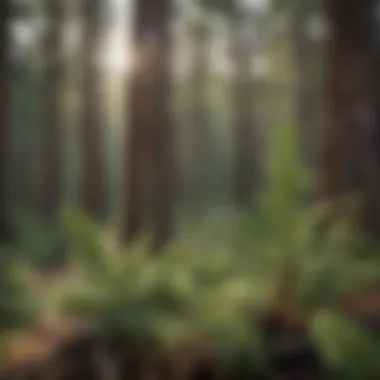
[(217, 278), (18, 305), (216, 285), (167, 300), (350, 352), (38, 241)]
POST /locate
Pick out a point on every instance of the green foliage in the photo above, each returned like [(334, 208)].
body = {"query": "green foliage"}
[(205, 284), (349, 351), (199, 30), (283, 5), (17, 305), (229, 8), (166, 300), (36, 242), (284, 231)]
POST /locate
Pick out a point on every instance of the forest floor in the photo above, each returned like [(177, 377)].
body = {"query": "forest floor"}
[(31, 350)]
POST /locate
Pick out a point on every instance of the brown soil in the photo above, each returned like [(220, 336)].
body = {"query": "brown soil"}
[(72, 353), (78, 357), (69, 350)]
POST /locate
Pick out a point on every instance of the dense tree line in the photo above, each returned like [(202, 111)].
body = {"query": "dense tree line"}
[(350, 155)]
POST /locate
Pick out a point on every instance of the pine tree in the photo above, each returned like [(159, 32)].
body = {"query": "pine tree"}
[(5, 8), (150, 179), (51, 124), (93, 176), (350, 161)]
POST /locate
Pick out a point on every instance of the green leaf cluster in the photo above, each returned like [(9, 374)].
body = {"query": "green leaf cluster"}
[(351, 352), (166, 301), (209, 286)]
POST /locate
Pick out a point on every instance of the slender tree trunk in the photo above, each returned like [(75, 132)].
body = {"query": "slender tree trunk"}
[(51, 134), (244, 171), (163, 170), (5, 9), (199, 115), (351, 157), (150, 145), (306, 75), (137, 147), (93, 176)]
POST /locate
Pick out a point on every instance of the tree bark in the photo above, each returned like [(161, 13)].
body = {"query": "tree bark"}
[(137, 147), (93, 168), (5, 9), (351, 157), (200, 124), (51, 134), (306, 89), (244, 149), (150, 146)]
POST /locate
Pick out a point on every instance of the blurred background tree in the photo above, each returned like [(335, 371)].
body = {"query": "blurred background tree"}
[(53, 76), (350, 160), (4, 114), (134, 125), (93, 176), (151, 157)]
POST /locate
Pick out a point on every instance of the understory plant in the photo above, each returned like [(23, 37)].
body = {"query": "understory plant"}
[(38, 242), (213, 289), (314, 266), (309, 263), (351, 352), (18, 305), (184, 295)]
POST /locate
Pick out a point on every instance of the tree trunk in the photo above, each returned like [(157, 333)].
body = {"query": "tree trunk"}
[(93, 176), (199, 115), (5, 9), (306, 89), (350, 157), (51, 134), (137, 147), (163, 170), (243, 120), (150, 148)]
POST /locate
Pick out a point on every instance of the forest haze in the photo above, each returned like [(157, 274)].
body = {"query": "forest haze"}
[(190, 189)]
